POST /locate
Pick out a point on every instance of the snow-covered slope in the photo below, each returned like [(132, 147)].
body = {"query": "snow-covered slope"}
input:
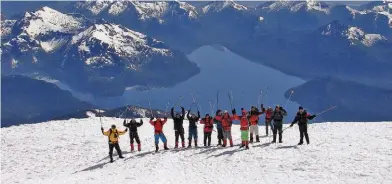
[(75, 151), (116, 40), (295, 6), (217, 6)]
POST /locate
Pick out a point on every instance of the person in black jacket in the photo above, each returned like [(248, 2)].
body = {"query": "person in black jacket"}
[(302, 118), (178, 128), (277, 117), (192, 127), (132, 125)]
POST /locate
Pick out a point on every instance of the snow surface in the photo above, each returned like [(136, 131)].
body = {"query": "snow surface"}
[(53, 44), (49, 20), (75, 151), (95, 7)]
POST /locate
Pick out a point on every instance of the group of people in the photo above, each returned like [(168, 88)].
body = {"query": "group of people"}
[(223, 121)]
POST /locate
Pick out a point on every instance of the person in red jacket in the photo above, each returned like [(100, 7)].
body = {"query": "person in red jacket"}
[(208, 126), (158, 132), (268, 118), (254, 123), (227, 121), (244, 124)]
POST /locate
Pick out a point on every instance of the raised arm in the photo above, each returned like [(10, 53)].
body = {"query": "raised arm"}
[(122, 132), (295, 120), (141, 123), (164, 120), (310, 117), (198, 115), (183, 112), (172, 112), (151, 121), (187, 115)]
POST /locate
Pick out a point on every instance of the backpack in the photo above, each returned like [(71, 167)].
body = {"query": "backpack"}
[(110, 133), (279, 117)]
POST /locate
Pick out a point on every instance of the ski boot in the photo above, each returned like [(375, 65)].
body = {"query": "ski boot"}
[(132, 148), (247, 145), (300, 143), (165, 146), (251, 138), (176, 146), (189, 143), (257, 138), (274, 139), (195, 142), (156, 148), (231, 143), (139, 147)]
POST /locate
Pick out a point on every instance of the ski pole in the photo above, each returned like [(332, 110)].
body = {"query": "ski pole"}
[(266, 94), (287, 101), (212, 111), (286, 128), (167, 107), (217, 100), (260, 98), (326, 110), (178, 102), (149, 103)]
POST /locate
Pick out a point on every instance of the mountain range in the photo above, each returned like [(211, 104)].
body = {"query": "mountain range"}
[(103, 47)]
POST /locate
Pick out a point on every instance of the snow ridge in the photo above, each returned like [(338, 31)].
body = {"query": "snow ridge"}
[(356, 34), (295, 6), (218, 6), (49, 20)]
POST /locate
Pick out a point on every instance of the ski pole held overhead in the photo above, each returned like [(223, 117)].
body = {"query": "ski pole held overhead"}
[(217, 100), (167, 107), (178, 102), (326, 110), (230, 100), (287, 101), (152, 115), (260, 98)]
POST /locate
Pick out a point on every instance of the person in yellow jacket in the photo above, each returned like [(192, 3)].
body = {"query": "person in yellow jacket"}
[(113, 135)]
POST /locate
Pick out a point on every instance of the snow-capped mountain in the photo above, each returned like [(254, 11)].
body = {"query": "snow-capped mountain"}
[(55, 44), (295, 6), (217, 6), (75, 151)]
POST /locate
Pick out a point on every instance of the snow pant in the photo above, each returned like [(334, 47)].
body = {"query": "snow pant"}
[(277, 128), (207, 136), (179, 133), (254, 129), (303, 131), (267, 123), (134, 136), (220, 135), (158, 136), (227, 135), (244, 135), (192, 134), (115, 146)]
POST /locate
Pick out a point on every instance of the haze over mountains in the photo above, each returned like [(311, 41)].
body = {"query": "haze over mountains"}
[(101, 48)]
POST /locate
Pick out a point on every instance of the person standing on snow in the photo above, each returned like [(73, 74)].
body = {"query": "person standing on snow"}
[(158, 132), (178, 126), (219, 127), (277, 117), (254, 123), (208, 126), (227, 121), (244, 127), (268, 119), (302, 118), (113, 136), (192, 127), (132, 125)]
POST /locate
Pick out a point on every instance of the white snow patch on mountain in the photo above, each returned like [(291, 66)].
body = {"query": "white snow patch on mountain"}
[(75, 151), (49, 20), (356, 34), (95, 7), (6, 27), (118, 7), (295, 6), (49, 46), (218, 6), (123, 41)]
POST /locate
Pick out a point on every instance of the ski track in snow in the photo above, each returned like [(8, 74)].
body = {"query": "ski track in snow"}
[(75, 151)]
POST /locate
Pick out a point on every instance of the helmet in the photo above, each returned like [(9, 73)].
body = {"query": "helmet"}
[(178, 115), (113, 126)]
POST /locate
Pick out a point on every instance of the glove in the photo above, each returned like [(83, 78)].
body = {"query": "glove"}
[(172, 108), (291, 125), (182, 107), (102, 129), (152, 118), (126, 130), (281, 108)]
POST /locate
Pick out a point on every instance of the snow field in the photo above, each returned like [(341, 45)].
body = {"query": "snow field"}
[(75, 151)]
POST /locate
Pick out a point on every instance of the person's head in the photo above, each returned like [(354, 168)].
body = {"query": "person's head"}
[(225, 113), (243, 112), (113, 126), (253, 108), (133, 121), (178, 115), (219, 112), (269, 108), (277, 107), (301, 109), (207, 116)]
